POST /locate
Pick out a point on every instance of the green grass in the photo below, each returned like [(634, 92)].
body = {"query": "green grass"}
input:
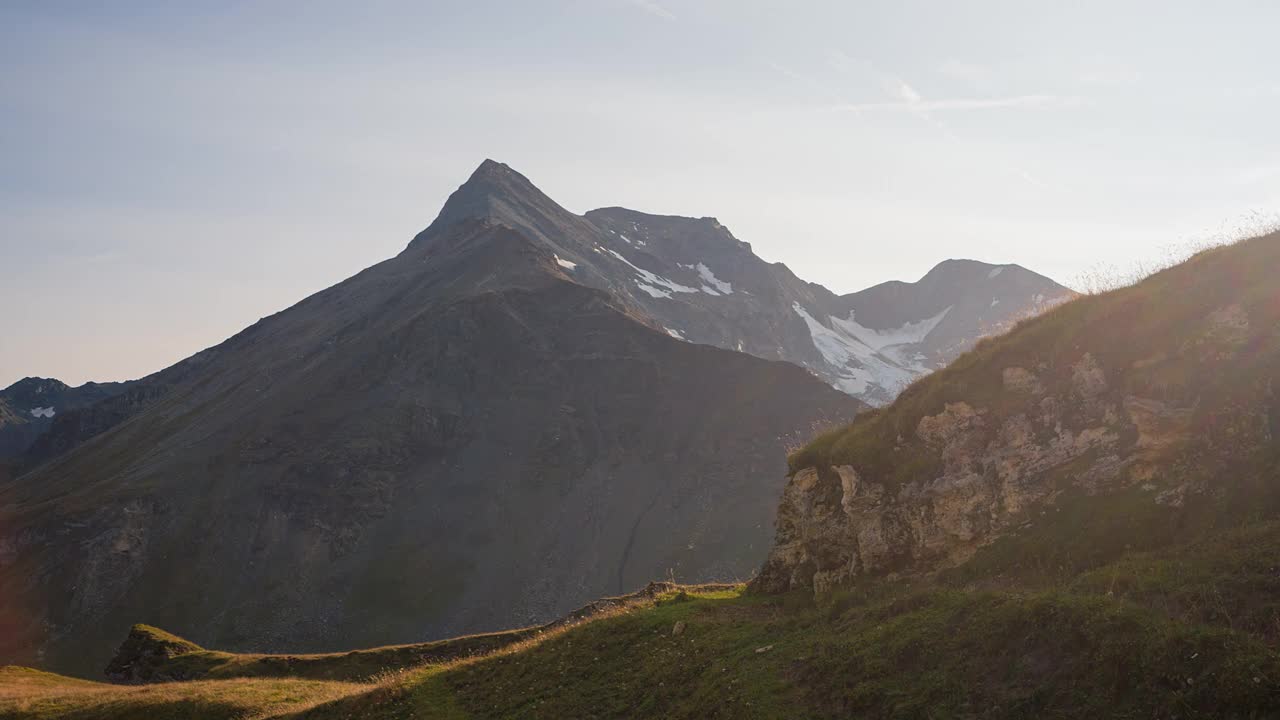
[(1143, 647), (176, 644), (1230, 580), (353, 666), (929, 654)]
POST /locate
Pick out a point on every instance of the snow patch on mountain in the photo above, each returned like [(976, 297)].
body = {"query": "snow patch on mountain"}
[(673, 333), (45, 412), (565, 263), (857, 364), (650, 282), (995, 271), (909, 334), (708, 277), (652, 291)]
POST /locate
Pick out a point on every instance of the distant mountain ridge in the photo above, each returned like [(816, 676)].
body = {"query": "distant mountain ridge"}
[(694, 280), (29, 407), (691, 278)]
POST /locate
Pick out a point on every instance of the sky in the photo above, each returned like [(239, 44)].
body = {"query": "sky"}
[(171, 172)]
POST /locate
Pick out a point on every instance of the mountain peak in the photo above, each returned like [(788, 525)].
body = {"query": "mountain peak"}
[(497, 193), (964, 268), (955, 265), (695, 232), (490, 184), (493, 173), (35, 386)]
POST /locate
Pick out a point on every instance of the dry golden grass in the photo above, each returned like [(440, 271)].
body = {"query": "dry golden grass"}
[(31, 693)]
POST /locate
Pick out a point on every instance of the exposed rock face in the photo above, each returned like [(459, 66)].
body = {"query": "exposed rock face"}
[(145, 655), (1019, 380), (834, 524), (1173, 412)]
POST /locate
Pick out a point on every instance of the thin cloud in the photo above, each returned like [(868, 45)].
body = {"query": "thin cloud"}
[(652, 8), (908, 99), (912, 101)]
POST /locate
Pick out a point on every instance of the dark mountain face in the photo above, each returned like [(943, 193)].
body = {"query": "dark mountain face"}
[(30, 407), (457, 439)]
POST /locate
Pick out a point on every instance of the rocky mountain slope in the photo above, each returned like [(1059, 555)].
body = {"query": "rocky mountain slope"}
[(29, 407), (1125, 420), (694, 280), (464, 437), (690, 278)]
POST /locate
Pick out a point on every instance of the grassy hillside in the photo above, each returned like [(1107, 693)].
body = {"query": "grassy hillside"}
[(157, 660), (1159, 397), (1146, 334), (1189, 631)]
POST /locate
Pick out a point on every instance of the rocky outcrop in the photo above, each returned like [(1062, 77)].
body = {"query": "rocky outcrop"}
[(833, 524), (1172, 413), (145, 655), (150, 655)]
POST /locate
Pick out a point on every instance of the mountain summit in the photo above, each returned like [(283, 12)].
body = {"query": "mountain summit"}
[(498, 194), (691, 278)]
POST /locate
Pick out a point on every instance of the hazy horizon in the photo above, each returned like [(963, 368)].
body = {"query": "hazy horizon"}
[(173, 175)]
